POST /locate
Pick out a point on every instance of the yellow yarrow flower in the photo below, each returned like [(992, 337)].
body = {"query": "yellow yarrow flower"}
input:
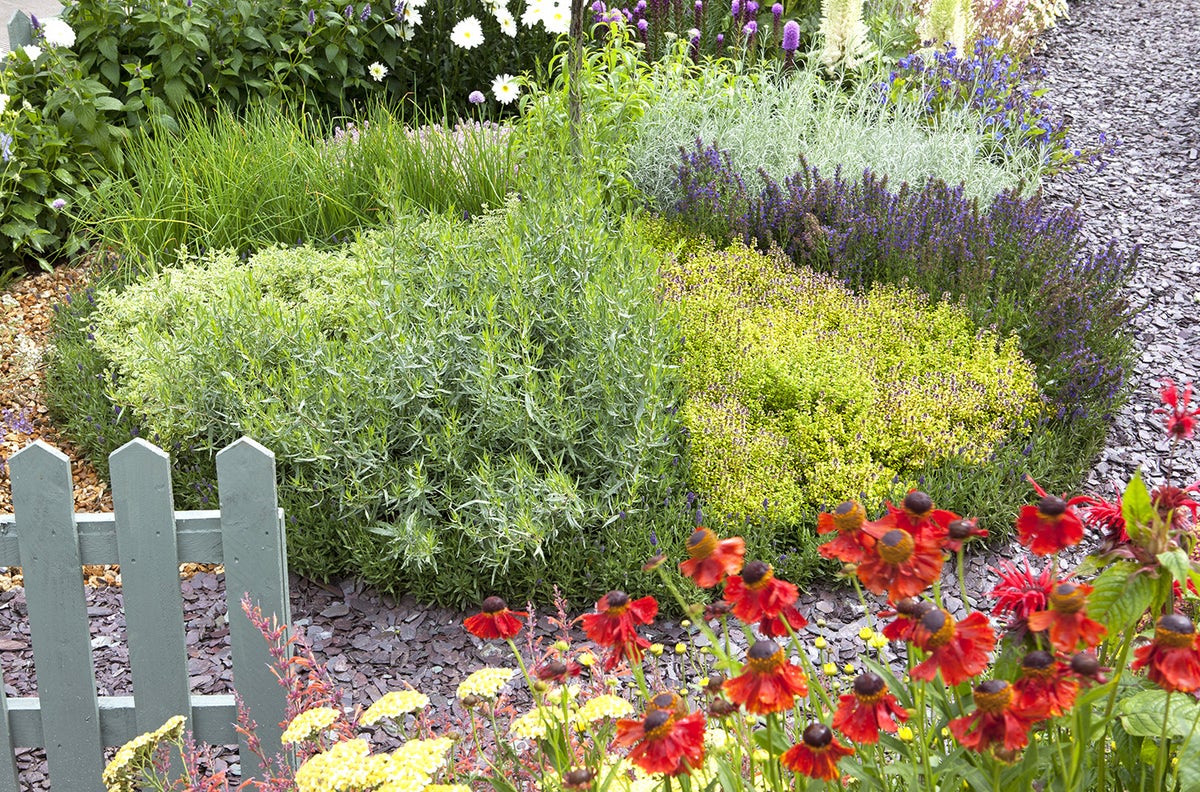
[(533, 724), (394, 704), (447, 788), (485, 683), (345, 763), (134, 755), (605, 706), (309, 723)]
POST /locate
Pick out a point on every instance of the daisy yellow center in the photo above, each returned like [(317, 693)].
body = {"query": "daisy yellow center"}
[(896, 546), (766, 665), (1068, 598), (702, 544), (991, 700), (944, 633), (1173, 640), (849, 516)]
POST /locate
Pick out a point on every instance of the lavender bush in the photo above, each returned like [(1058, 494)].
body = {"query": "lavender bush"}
[(1016, 265)]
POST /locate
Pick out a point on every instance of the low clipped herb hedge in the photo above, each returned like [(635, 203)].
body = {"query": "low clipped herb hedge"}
[(458, 408), (802, 393)]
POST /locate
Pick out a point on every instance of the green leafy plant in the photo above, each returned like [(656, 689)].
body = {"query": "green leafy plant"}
[(60, 134)]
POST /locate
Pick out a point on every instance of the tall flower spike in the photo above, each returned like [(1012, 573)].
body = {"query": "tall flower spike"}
[(663, 742), (711, 559), (495, 621), (869, 709), (959, 650), (1067, 619), (817, 753), (768, 682), (1172, 659)]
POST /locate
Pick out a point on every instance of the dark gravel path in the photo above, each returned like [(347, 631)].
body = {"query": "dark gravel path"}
[(1128, 68)]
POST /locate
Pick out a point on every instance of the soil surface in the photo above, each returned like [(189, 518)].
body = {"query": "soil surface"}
[(1127, 68)]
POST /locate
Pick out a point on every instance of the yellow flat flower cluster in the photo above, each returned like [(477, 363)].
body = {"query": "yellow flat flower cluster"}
[(393, 705), (605, 706), (132, 756), (309, 723), (349, 766), (485, 683)]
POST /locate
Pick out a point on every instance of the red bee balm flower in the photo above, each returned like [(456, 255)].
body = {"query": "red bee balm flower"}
[(614, 626), (1181, 422), (768, 682), (495, 621), (870, 708), (1044, 686), (900, 564), (817, 754), (959, 651), (918, 517), (850, 543), (1021, 593), (712, 559), (995, 721), (1067, 619), (1050, 526), (1173, 657), (757, 594), (664, 742)]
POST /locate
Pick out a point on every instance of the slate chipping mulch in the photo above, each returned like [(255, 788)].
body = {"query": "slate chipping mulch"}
[(1128, 68)]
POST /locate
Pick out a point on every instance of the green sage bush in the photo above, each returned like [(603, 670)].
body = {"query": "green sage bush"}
[(457, 408)]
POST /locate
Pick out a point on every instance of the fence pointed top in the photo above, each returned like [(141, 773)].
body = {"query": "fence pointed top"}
[(139, 447), (38, 449), (245, 447)]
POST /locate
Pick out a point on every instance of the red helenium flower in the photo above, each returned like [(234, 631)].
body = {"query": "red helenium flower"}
[(757, 594), (918, 517), (663, 742), (1067, 619), (710, 559), (817, 753), (1172, 659), (995, 721), (1044, 686), (615, 625), (768, 682), (1050, 526), (870, 708), (959, 651), (959, 531), (850, 543), (908, 615), (900, 564), (495, 621)]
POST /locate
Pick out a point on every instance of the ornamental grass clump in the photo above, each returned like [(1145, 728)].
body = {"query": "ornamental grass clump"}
[(800, 391), (935, 700)]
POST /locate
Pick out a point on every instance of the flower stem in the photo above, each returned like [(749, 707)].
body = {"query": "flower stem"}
[(1160, 761)]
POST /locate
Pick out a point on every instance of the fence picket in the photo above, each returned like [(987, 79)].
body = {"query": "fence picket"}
[(255, 560), (20, 30), (144, 512), (58, 622), (9, 780)]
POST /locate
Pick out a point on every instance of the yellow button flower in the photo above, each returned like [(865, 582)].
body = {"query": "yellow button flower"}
[(308, 724), (394, 704)]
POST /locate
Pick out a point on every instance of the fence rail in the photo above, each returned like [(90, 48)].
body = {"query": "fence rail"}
[(149, 539)]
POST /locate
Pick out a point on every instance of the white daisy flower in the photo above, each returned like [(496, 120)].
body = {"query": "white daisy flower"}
[(508, 23), (467, 34), (412, 16), (557, 18), (505, 88), (535, 11), (378, 71)]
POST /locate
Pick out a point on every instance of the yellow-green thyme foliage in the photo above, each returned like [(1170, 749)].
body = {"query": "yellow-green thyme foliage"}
[(801, 393)]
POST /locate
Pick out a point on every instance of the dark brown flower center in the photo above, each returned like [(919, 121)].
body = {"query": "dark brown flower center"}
[(993, 696), (1036, 660), (918, 503), (756, 574), (657, 723), (1052, 507), (764, 657), (869, 687), (493, 605), (702, 543), (818, 735), (1068, 598), (665, 701), (617, 602), (940, 626), (960, 529), (849, 516), (576, 779), (1175, 631), (896, 546)]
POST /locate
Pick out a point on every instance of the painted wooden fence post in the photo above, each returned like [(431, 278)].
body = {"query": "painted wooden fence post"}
[(255, 560), (144, 510), (20, 30), (58, 622), (8, 759)]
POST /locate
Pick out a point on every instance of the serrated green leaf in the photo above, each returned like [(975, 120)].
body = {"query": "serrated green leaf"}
[(1120, 597), (1142, 714), (1137, 508), (1178, 564)]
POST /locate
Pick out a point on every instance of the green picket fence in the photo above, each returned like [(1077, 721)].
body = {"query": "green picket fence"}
[(149, 539)]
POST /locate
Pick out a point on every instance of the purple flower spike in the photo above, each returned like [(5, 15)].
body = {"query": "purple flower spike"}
[(750, 29), (312, 17), (791, 35), (777, 10), (366, 13), (735, 8), (349, 12), (751, 9)]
